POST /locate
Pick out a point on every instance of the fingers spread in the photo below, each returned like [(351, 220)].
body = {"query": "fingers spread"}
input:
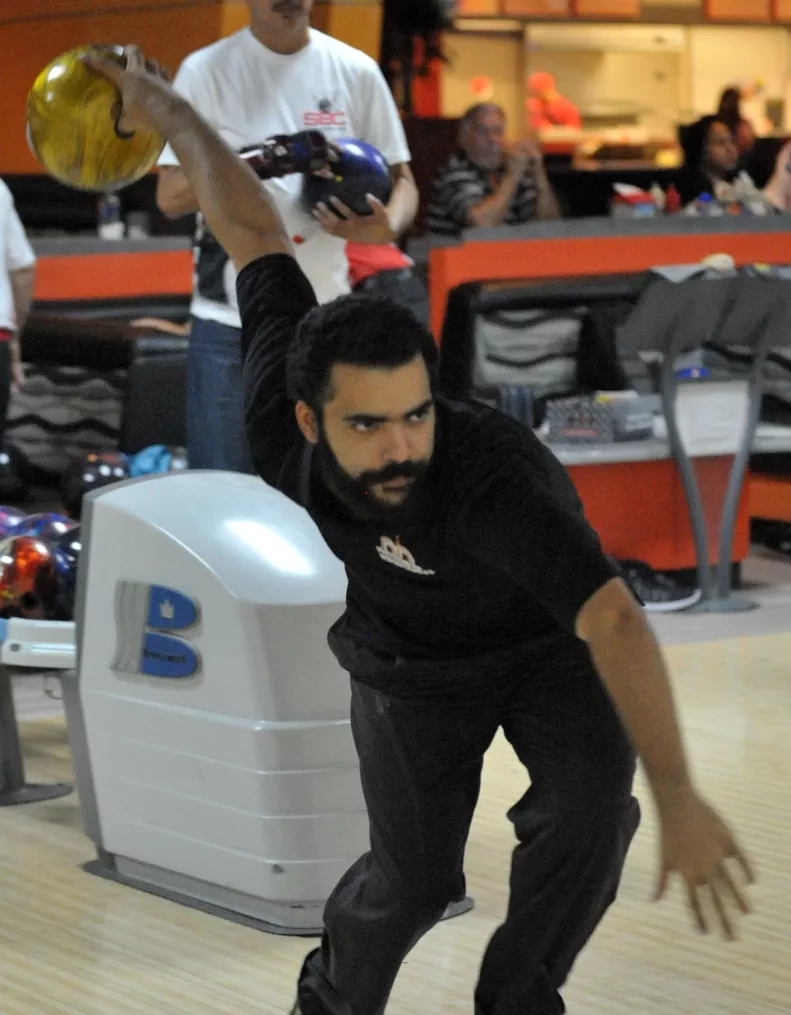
[(697, 908), (722, 913), (661, 887), (733, 890), (744, 863)]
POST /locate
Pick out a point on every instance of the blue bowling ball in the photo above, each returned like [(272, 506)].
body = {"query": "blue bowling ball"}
[(362, 170), (47, 526), (10, 517)]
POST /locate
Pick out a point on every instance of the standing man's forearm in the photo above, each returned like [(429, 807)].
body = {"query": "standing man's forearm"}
[(630, 663), (403, 204), (493, 210), (22, 284)]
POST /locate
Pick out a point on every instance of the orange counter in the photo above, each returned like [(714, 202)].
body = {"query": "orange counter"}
[(598, 247), (87, 268), (637, 508)]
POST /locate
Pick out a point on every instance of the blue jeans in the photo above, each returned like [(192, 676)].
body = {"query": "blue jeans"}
[(215, 399)]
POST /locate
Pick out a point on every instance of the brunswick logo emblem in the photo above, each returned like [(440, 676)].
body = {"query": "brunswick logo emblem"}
[(392, 552), (151, 624)]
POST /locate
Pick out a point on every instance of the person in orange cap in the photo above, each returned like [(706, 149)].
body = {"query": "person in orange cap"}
[(546, 107)]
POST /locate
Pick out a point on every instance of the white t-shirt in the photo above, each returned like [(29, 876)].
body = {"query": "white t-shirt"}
[(15, 253), (248, 93)]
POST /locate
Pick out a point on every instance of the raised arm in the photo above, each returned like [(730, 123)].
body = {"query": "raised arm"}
[(274, 293)]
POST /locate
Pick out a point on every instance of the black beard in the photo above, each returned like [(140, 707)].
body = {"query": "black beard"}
[(355, 494)]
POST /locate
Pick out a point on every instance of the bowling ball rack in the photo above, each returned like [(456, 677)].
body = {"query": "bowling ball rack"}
[(34, 645)]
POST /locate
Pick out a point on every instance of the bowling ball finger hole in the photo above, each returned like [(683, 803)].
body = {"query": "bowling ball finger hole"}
[(115, 112)]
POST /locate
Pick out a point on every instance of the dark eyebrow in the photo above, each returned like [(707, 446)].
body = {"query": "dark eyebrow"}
[(362, 417)]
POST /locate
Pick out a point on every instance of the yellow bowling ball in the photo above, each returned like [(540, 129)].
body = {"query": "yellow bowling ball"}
[(71, 117)]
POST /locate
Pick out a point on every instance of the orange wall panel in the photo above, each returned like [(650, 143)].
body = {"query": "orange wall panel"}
[(235, 17), (536, 8), (167, 32), (474, 8), (355, 22), (737, 10), (606, 8), (782, 10)]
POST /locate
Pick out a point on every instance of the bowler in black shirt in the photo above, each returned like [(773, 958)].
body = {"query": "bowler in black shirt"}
[(478, 598)]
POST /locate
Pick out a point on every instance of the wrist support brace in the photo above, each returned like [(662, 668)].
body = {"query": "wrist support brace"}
[(285, 154)]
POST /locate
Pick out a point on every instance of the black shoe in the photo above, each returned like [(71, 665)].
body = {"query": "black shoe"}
[(657, 592), (774, 536)]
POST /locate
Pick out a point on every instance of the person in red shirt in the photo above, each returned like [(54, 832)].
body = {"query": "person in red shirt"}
[(387, 271), (546, 107)]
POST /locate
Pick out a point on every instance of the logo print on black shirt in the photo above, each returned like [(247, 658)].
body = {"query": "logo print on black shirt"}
[(392, 552)]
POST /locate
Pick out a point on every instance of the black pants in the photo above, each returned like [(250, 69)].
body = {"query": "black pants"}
[(420, 765), (403, 286)]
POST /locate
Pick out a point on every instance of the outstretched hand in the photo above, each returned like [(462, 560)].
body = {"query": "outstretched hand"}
[(144, 87), (697, 845)]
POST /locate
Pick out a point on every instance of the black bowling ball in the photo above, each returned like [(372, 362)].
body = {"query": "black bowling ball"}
[(97, 470), (14, 484)]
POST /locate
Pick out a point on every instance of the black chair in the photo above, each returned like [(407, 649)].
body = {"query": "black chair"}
[(608, 300), (152, 364)]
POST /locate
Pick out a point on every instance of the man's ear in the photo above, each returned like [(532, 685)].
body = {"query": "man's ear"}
[(307, 422)]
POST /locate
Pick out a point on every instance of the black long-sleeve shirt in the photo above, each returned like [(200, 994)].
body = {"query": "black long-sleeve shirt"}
[(485, 568)]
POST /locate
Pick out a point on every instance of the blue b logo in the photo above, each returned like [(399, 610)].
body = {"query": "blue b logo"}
[(150, 619)]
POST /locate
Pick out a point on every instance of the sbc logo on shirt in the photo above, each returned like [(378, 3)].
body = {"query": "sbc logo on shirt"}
[(325, 116), (151, 621)]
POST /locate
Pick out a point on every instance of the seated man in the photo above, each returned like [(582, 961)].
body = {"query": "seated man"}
[(484, 185)]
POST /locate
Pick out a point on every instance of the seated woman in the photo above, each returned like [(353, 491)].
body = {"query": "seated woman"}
[(712, 166)]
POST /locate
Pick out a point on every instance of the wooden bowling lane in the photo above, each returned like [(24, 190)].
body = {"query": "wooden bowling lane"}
[(71, 944)]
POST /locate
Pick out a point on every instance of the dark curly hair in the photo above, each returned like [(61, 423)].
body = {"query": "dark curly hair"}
[(359, 330)]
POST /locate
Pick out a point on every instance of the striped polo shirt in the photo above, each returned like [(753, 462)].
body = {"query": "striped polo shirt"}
[(462, 185)]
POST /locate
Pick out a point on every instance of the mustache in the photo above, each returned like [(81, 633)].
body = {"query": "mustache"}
[(395, 470), (287, 6)]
